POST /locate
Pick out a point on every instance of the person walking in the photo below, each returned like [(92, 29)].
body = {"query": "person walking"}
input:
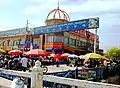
[(24, 62), (10, 66)]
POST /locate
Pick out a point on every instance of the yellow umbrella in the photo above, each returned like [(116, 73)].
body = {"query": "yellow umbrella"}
[(92, 56), (2, 51), (81, 56)]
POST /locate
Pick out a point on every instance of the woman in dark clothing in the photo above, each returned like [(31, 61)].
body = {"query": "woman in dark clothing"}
[(57, 62)]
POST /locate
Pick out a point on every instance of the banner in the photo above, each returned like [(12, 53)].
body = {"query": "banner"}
[(67, 26)]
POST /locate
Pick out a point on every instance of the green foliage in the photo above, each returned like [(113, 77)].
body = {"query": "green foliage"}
[(113, 53)]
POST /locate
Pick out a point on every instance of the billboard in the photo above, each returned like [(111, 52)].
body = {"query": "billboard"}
[(67, 26)]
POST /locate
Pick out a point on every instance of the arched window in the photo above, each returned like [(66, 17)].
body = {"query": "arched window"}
[(19, 41), (14, 42), (0, 43), (3, 43), (8, 42)]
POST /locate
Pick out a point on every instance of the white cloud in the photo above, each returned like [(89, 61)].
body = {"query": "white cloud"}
[(4, 27), (36, 23), (91, 6), (43, 5), (107, 10), (3, 2)]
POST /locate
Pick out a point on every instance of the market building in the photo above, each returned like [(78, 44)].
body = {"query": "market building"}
[(78, 41)]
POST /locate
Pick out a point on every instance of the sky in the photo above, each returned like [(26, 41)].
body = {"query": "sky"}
[(14, 13)]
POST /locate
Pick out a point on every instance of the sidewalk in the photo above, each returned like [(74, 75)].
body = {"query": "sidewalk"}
[(4, 83)]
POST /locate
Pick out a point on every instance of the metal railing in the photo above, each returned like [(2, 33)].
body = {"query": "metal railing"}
[(38, 79)]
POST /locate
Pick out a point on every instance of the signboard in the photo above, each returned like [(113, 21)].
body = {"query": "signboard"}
[(27, 45), (13, 32), (67, 26), (87, 75), (54, 45), (57, 45)]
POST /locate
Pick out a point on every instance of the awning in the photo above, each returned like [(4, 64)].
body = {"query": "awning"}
[(58, 50), (48, 49)]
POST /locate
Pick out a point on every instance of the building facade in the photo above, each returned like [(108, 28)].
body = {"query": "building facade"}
[(78, 42), (13, 39)]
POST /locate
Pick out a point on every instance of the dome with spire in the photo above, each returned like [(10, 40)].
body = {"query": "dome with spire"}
[(57, 16)]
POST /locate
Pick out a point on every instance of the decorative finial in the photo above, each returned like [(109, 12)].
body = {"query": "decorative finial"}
[(58, 4), (37, 63)]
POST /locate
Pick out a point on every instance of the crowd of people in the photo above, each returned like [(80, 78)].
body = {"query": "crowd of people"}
[(23, 63), (16, 62)]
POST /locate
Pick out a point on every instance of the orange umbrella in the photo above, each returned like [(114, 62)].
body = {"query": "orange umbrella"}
[(15, 52), (37, 52), (65, 54), (57, 56), (52, 55)]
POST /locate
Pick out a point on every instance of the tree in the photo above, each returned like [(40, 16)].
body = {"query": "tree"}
[(113, 53)]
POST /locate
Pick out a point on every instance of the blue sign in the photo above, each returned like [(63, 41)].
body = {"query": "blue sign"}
[(13, 32), (67, 26)]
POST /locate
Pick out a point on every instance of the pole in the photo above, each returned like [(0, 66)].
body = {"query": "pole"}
[(87, 40), (26, 37), (95, 40), (76, 74), (27, 26)]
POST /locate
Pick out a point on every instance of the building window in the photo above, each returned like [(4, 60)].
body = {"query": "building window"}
[(3, 43), (57, 38), (49, 38), (36, 41), (70, 41), (14, 43), (97, 46), (73, 42), (77, 43), (66, 40), (8, 43), (0, 43), (11, 43), (82, 43), (19, 41), (22, 41)]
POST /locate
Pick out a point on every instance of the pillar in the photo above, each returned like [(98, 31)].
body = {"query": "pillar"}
[(95, 41), (37, 76)]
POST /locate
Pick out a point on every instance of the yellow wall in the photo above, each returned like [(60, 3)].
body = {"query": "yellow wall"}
[(11, 38)]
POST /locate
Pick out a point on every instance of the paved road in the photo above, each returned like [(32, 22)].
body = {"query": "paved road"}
[(61, 68)]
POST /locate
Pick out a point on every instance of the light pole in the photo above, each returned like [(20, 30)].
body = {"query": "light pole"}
[(28, 36), (95, 40)]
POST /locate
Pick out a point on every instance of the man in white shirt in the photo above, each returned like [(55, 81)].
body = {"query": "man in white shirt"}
[(24, 62)]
